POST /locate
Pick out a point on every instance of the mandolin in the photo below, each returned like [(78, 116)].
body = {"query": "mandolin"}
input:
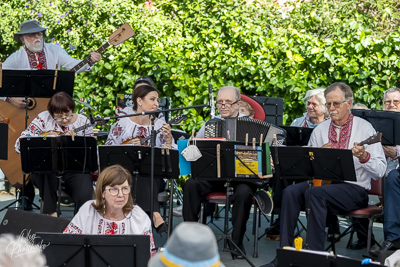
[(83, 127), (144, 140), (123, 33), (376, 138)]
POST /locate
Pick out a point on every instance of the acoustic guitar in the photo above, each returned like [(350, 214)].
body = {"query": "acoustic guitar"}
[(143, 141), (12, 167), (376, 138)]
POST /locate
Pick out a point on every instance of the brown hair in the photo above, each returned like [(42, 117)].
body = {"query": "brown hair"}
[(112, 175), (141, 91), (61, 102)]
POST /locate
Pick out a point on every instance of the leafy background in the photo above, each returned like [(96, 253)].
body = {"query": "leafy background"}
[(271, 48)]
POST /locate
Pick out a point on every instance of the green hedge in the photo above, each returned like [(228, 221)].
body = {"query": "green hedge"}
[(261, 47)]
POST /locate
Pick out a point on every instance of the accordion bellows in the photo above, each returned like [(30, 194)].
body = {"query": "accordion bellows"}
[(237, 128)]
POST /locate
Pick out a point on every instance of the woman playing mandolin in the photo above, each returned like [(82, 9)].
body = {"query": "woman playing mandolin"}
[(60, 119), (131, 130)]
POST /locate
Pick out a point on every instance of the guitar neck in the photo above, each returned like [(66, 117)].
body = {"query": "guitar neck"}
[(83, 127), (87, 59)]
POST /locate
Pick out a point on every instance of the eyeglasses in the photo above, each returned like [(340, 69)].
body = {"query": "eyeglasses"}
[(395, 102), (115, 191), (335, 104), (34, 34), (228, 105), (67, 118)]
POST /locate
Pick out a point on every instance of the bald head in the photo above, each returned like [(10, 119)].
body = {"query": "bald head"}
[(228, 101)]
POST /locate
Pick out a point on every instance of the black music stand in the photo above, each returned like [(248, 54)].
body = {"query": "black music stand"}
[(3, 141), (59, 154), (137, 160), (30, 84), (216, 165), (36, 83), (386, 122), (297, 136), (94, 250), (310, 163)]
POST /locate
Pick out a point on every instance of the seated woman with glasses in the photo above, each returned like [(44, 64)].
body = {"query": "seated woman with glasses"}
[(316, 110), (60, 119), (131, 131), (112, 211)]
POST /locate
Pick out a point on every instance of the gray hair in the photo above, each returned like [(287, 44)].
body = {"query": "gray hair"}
[(390, 90), (346, 89), (318, 93), (237, 91), (360, 106)]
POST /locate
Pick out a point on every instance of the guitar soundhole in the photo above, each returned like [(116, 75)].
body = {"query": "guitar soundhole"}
[(32, 103)]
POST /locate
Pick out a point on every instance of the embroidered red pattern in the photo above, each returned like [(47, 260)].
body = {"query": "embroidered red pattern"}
[(344, 137)]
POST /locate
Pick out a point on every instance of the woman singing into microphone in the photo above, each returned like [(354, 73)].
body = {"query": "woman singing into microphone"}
[(131, 130)]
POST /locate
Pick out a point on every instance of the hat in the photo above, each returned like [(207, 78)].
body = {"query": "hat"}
[(29, 26), (264, 202), (191, 244)]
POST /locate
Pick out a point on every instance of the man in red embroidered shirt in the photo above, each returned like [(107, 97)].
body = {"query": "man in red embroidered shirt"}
[(36, 54), (342, 131)]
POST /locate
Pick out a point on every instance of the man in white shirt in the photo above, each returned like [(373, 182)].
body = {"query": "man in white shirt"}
[(342, 131), (36, 54)]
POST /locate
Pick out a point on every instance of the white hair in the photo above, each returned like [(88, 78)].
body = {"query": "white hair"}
[(319, 94), (19, 252)]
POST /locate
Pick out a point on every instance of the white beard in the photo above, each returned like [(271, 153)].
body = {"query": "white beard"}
[(36, 46)]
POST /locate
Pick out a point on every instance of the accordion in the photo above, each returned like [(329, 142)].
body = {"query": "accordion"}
[(237, 129)]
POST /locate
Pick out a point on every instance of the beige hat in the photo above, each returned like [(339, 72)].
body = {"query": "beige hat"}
[(29, 26), (190, 245)]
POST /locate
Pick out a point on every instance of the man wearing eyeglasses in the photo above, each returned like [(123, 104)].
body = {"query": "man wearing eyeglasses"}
[(228, 103), (342, 131), (391, 224), (36, 54)]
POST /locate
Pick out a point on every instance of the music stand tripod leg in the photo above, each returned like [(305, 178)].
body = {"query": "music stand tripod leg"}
[(20, 198), (227, 238), (60, 181)]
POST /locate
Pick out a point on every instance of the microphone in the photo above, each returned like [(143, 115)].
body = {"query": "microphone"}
[(212, 106)]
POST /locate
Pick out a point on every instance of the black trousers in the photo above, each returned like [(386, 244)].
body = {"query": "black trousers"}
[(194, 192), (79, 186), (334, 198)]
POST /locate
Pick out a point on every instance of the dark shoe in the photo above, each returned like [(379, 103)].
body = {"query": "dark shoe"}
[(273, 263), (235, 252), (358, 245), (387, 245), (162, 228)]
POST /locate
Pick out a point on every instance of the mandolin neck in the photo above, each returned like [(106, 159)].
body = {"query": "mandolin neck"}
[(87, 59)]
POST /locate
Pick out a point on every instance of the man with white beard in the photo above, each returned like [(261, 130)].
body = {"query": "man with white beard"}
[(36, 54)]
